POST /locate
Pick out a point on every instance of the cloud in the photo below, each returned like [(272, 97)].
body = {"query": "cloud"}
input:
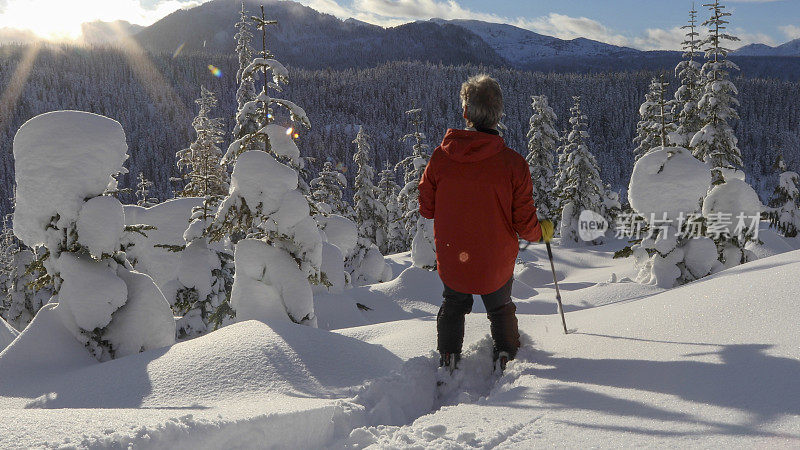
[(567, 27), (791, 31)]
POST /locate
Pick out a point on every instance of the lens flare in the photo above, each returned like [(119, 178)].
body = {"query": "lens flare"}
[(215, 71), (289, 131), (296, 135), (178, 50)]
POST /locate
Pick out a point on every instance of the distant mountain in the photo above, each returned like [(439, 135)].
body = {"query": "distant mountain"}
[(791, 48), (307, 38), (522, 47), (99, 32)]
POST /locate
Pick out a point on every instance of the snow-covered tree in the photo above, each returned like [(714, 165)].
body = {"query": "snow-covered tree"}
[(542, 143), (247, 122), (387, 196), (783, 209), (715, 142), (672, 247), (109, 307), (260, 112), (143, 187), (656, 119), (579, 183), (688, 94), (369, 217), (413, 167), (282, 253), (326, 192), (369, 212), (204, 174)]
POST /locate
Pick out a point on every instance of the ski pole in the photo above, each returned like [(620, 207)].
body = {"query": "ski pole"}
[(555, 282)]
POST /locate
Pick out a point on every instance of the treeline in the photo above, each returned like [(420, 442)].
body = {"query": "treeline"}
[(153, 98)]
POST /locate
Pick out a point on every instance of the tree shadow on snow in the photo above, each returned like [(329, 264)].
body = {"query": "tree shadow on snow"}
[(747, 379)]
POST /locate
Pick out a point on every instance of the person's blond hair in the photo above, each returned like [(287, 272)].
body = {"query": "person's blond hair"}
[(482, 99)]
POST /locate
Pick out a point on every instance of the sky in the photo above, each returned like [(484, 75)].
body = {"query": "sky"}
[(643, 24)]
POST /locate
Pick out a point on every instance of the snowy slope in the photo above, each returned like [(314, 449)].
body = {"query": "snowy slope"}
[(791, 48), (7, 334), (522, 47), (711, 364)]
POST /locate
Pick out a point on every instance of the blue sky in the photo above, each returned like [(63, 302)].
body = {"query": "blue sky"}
[(643, 24)]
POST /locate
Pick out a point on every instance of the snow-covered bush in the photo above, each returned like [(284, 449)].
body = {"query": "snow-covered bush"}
[(667, 189), (65, 161), (423, 248), (784, 205), (732, 211)]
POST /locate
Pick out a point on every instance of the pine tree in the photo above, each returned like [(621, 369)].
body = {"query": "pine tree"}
[(413, 167), (542, 142), (784, 206), (259, 114), (387, 196), (246, 119), (326, 194), (656, 119), (579, 183), (715, 142), (369, 212), (688, 94), (205, 176), (143, 186), (267, 206)]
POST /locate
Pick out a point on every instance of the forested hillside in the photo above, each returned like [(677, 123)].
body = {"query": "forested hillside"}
[(155, 105)]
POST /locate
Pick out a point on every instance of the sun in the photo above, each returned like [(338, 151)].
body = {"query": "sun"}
[(49, 19)]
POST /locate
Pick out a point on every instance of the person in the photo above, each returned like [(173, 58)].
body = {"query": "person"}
[(480, 195)]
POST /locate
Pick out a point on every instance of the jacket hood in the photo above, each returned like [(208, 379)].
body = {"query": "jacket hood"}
[(471, 146)]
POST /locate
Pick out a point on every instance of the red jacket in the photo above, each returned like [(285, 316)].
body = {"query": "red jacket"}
[(479, 193)]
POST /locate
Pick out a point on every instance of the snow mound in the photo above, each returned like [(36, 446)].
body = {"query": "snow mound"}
[(238, 363), (668, 180), (62, 158), (91, 291)]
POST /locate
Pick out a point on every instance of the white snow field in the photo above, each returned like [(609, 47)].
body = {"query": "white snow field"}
[(712, 364)]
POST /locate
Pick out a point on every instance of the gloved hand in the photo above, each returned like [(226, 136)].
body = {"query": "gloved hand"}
[(547, 230)]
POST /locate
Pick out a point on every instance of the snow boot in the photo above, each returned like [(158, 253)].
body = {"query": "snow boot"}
[(449, 361), (501, 359)]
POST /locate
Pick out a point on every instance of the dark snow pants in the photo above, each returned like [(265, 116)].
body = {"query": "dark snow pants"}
[(502, 317)]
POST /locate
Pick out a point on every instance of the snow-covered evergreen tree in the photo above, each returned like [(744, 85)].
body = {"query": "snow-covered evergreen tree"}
[(247, 122), (784, 206), (369, 212), (387, 196), (366, 263), (143, 187), (326, 192), (413, 167), (102, 301), (656, 119), (260, 113), (282, 253), (715, 142), (542, 143), (688, 94), (204, 174), (579, 182)]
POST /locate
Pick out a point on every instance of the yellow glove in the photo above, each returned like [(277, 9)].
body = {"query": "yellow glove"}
[(547, 230)]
